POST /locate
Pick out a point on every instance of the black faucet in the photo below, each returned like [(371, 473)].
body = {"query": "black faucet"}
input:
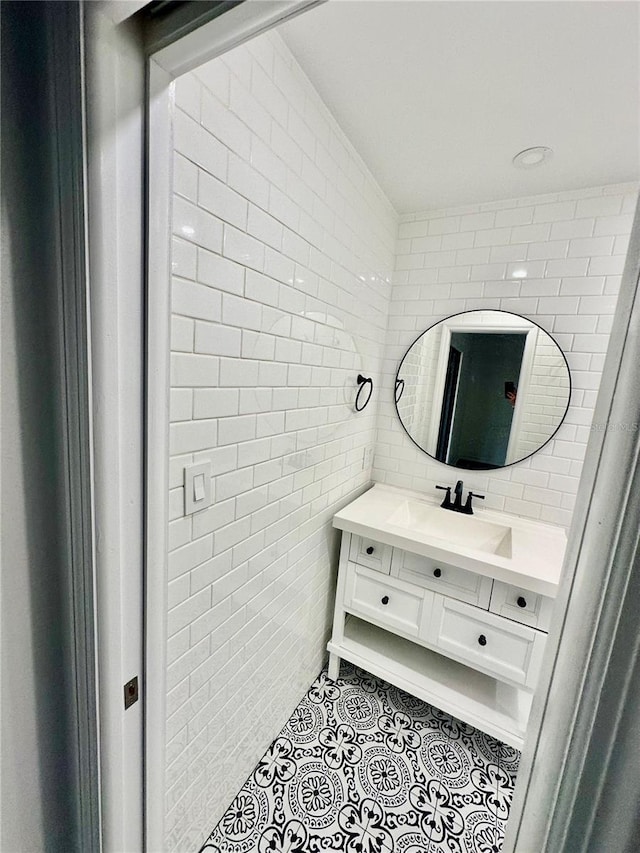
[(446, 503), (467, 509), (456, 505)]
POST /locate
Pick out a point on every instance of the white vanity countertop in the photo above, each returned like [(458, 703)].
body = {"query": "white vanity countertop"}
[(537, 550)]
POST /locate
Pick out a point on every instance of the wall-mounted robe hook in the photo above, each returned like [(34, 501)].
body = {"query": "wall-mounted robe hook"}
[(363, 382)]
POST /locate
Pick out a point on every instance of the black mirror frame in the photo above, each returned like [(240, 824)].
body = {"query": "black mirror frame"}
[(474, 311)]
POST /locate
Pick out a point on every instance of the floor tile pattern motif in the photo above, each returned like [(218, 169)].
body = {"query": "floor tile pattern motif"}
[(363, 767)]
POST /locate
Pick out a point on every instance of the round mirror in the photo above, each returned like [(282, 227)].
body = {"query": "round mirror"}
[(482, 389)]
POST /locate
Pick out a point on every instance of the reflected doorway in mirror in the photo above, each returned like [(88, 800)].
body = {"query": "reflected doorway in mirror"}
[(483, 389)]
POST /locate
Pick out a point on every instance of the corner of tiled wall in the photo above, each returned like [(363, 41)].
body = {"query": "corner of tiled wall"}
[(555, 259), (283, 252)]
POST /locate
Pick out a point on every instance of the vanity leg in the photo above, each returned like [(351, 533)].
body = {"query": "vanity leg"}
[(334, 667)]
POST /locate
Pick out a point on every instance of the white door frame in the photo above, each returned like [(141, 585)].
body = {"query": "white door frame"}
[(130, 66), (577, 767), (559, 754), (524, 382), (115, 124), (451, 325)]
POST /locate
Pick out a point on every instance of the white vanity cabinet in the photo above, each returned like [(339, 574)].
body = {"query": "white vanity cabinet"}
[(464, 640)]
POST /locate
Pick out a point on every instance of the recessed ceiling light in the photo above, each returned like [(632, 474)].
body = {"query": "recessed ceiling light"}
[(532, 157)]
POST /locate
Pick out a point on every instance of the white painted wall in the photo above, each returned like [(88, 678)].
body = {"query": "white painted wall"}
[(38, 782), (282, 257), (572, 247)]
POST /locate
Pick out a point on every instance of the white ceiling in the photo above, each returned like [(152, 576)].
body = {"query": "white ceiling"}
[(437, 97)]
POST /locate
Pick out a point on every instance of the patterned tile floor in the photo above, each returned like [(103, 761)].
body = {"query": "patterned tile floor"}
[(363, 767)]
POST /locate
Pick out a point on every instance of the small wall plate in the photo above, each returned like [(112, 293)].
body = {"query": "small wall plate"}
[(197, 487)]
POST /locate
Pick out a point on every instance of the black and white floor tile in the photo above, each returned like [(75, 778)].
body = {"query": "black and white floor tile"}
[(363, 767)]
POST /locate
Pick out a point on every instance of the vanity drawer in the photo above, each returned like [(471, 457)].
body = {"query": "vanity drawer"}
[(506, 650), (521, 605), (441, 577), (389, 604), (369, 553)]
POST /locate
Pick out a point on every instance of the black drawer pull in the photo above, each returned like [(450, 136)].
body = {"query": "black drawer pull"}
[(437, 573), (521, 602), (385, 599), (370, 549), (482, 640)]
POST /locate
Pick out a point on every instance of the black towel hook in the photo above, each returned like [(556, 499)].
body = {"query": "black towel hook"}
[(363, 382)]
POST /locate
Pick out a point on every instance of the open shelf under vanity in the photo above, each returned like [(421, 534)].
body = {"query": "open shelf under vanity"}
[(496, 708)]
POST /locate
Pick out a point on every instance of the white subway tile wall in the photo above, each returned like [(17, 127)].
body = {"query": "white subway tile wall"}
[(283, 253), (416, 384), (556, 259), (545, 399)]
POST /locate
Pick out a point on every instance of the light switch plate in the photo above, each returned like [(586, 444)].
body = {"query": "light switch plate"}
[(197, 487)]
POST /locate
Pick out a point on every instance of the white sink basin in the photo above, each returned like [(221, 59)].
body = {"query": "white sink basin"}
[(526, 554), (464, 531)]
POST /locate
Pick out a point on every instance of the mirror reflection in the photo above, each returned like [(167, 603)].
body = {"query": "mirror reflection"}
[(482, 389)]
